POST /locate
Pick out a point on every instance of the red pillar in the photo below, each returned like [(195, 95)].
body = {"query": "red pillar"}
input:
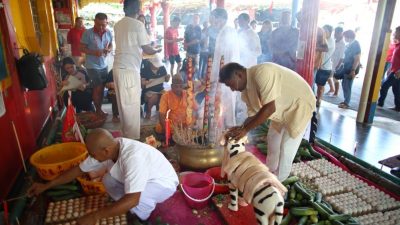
[(221, 3), (153, 19), (165, 7), (307, 40)]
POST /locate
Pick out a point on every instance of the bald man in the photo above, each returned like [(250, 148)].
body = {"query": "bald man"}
[(138, 175)]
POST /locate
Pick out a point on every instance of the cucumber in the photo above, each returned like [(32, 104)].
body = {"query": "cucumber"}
[(58, 193), (292, 193), (314, 153), (339, 217), (70, 187), (299, 197), (294, 203), (328, 209), (322, 222), (305, 153), (318, 197), (303, 211), (314, 218), (287, 219), (67, 196), (336, 222), (302, 190), (290, 180), (303, 220), (322, 212)]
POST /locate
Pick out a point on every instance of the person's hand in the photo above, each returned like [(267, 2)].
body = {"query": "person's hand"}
[(88, 219), (167, 77), (98, 53), (397, 75), (236, 133), (65, 82), (82, 87), (352, 74), (36, 189), (106, 51)]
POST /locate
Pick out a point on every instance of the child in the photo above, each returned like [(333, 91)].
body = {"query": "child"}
[(82, 97), (111, 96)]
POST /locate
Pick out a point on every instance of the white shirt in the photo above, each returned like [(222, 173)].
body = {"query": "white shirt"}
[(327, 56), (338, 54), (250, 47), (137, 165), (130, 36)]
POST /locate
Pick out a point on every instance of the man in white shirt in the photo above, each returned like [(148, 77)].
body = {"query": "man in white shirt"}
[(250, 49), (131, 40), (338, 56), (325, 71), (138, 176), (226, 45), (250, 46)]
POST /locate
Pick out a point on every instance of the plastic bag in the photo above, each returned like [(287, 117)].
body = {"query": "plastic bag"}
[(69, 134)]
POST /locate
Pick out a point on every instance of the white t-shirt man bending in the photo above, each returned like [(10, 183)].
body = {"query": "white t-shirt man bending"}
[(131, 41)]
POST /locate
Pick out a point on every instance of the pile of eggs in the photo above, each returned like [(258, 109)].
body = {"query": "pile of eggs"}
[(378, 199), (349, 203), (303, 171), (327, 186), (375, 218), (324, 167), (394, 216), (67, 211)]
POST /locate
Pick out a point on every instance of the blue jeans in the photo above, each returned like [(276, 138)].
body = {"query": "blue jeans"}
[(347, 83), (390, 81)]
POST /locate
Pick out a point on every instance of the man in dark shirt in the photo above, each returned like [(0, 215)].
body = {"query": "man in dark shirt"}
[(284, 43), (193, 40)]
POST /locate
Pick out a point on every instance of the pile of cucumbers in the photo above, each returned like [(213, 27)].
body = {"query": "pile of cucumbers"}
[(306, 152), (258, 137), (307, 207), (64, 191)]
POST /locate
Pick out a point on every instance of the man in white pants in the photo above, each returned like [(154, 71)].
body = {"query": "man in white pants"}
[(272, 92), (138, 175), (131, 39)]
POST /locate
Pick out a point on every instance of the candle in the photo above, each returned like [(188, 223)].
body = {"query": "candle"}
[(167, 128), (206, 115)]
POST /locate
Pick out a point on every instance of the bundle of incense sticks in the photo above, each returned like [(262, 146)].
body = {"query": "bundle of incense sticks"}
[(188, 136)]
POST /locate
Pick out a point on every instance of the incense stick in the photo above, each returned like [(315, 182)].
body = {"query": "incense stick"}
[(19, 146)]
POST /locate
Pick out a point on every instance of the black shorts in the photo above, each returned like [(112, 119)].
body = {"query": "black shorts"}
[(175, 58), (322, 76)]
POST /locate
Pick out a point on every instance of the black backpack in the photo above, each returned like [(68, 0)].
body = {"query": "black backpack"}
[(31, 71)]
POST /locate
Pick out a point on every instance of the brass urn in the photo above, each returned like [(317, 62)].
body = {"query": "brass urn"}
[(199, 157)]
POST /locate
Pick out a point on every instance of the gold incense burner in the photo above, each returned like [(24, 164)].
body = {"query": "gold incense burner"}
[(199, 157)]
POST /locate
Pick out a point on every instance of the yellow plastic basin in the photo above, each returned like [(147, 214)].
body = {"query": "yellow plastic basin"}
[(53, 160)]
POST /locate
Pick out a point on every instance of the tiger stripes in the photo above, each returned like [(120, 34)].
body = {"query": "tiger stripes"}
[(267, 201)]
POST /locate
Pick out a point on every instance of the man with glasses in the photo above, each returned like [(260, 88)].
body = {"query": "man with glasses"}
[(96, 43)]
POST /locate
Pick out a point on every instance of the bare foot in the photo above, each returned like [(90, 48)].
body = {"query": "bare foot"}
[(115, 119)]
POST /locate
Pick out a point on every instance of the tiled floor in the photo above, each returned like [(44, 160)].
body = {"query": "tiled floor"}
[(372, 142)]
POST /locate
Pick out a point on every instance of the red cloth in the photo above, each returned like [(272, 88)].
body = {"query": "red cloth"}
[(171, 48), (396, 59), (74, 38), (389, 53)]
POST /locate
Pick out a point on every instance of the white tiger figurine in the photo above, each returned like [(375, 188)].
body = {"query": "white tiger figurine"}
[(251, 179)]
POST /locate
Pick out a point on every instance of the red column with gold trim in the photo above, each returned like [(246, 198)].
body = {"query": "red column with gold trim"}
[(307, 40)]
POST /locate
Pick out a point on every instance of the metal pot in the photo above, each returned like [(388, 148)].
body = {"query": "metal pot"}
[(198, 157)]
